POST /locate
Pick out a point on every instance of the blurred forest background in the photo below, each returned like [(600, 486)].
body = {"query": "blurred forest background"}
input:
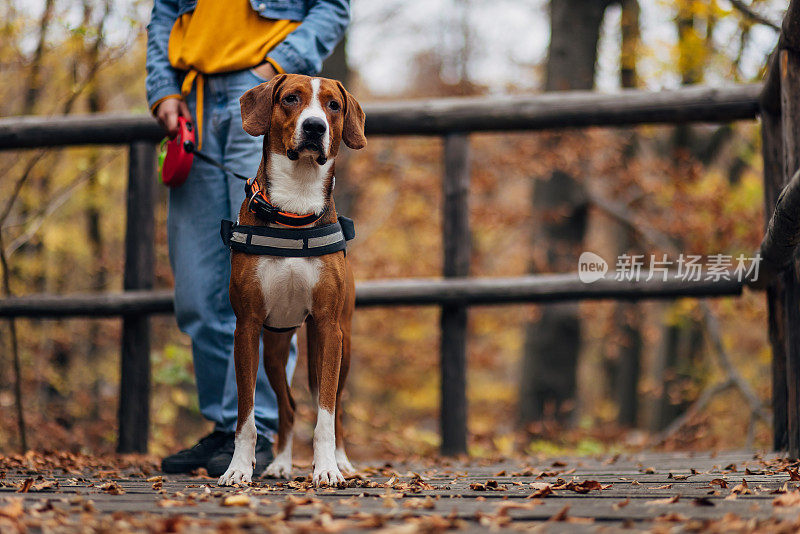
[(588, 378)]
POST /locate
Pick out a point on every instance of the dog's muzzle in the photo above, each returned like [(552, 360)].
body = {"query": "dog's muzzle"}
[(313, 132), (314, 146)]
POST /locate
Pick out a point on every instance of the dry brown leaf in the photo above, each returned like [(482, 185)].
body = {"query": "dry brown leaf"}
[(45, 485), (621, 504), (170, 503), (540, 490), (561, 515), (665, 486), (25, 486), (112, 488), (420, 504), (742, 489), (668, 500), (672, 517), (787, 499), (13, 509), (503, 509), (678, 477), (236, 500), (722, 483)]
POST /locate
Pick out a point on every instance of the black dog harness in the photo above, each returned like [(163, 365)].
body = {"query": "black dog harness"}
[(291, 241), (288, 242)]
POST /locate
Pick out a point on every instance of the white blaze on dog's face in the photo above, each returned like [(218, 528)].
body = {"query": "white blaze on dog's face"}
[(312, 132), (303, 117)]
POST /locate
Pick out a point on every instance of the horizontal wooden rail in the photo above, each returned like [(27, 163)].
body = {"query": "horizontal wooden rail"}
[(436, 116), (406, 292)]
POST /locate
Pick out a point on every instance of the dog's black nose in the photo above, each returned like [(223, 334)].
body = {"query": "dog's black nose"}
[(314, 127)]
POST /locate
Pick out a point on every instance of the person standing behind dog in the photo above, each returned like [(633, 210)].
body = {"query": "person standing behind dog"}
[(202, 55)]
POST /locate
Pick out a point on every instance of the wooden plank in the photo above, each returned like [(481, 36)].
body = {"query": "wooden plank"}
[(790, 119), (397, 292), (198, 501), (457, 249), (772, 152), (134, 396), (568, 109)]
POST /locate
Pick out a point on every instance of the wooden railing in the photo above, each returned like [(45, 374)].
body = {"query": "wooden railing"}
[(780, 132), (452, 119)]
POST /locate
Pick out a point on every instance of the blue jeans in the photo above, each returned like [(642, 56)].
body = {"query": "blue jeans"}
[(201, 263)]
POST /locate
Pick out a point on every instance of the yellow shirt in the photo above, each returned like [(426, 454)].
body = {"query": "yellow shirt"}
[(221, 36)]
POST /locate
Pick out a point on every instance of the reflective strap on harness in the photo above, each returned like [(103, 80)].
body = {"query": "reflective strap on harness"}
[(288, 242)]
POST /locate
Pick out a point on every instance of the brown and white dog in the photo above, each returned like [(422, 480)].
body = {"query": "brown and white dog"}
[(303, 121)]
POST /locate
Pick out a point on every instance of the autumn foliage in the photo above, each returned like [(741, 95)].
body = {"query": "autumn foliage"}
[(64, 234)]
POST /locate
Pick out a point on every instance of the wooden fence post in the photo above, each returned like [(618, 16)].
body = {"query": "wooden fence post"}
[(456, 241), (772, 152), (134, 391), (789, 61)]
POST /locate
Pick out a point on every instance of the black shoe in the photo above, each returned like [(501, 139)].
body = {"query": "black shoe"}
[(219, 463), (188, 460)]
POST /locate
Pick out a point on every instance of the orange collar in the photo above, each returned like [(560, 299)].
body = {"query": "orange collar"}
[(258, 204)]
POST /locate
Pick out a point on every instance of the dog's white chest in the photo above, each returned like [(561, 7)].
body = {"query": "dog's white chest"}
[(287, 285)]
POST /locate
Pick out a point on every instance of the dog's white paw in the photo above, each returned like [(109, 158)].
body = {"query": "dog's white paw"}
[(236, 475), (330, 476), (279, 468), (343, 463), (239, 472)]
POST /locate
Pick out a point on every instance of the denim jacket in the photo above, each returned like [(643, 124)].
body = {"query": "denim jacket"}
[(302, 52)]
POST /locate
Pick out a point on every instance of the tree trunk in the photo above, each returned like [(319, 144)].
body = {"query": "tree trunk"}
[(682, 338), (548, 383), (628, 316)]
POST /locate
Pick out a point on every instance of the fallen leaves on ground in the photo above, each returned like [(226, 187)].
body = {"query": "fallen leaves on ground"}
[(668, 500), (581, 487), (742, 489), (112, 488), (787, 499), (540, 490), (13, 509)]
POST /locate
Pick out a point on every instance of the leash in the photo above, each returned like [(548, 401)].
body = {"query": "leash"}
[(190, 147), (176, 156)]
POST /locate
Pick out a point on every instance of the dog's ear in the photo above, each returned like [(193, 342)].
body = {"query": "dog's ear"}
[(353, 128), (257, 104)]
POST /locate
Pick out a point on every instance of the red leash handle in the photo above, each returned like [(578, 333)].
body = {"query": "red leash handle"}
[(178, 160)]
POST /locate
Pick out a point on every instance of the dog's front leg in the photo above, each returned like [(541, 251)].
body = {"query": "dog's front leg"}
[(245, 355), (326, 357)]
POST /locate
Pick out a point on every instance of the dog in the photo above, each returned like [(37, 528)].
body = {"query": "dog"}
[(303, 121)]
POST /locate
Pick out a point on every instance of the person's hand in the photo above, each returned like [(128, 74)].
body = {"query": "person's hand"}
[(265, 70), (168, 112)]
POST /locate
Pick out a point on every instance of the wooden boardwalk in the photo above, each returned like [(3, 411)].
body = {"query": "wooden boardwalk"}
[(725, 491)]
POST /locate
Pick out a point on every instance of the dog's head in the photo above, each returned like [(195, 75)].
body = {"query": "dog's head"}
[(302, 116)]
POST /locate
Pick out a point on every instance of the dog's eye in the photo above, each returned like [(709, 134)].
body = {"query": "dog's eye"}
[(290, 99), (334, 105)]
